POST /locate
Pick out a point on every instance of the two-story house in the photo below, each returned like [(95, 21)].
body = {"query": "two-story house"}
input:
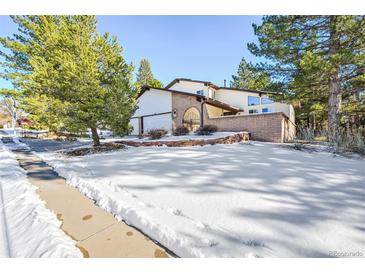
[(195, 103)]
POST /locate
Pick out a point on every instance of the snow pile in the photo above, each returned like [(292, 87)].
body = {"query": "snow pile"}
[(241, 200), (27, 228)]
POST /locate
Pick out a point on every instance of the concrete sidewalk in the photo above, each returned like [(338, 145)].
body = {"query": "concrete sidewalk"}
[(97, 232)]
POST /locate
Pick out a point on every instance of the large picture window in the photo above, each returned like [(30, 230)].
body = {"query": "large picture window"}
[(253, 100), (265, 101)]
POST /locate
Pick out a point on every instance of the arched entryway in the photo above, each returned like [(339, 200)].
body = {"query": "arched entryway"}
[(191, 119)]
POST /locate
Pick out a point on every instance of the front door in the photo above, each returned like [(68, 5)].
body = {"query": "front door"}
[(191, 119)]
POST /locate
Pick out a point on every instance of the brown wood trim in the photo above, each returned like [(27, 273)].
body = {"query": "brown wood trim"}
[(155, 114), (145, 88), (201, 97), (177, 80), (140, 125), (202, 114), (210, 84), (220, 104)]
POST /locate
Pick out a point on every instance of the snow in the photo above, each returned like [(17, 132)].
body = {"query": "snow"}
[(242, 200), (27, 228)]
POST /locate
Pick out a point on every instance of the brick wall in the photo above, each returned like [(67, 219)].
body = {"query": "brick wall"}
[(263, 127), (181, 103), (289, 130), (270, 127)]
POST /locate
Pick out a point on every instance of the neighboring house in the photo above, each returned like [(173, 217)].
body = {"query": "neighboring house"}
[(195, 103), (5, 121), (24, 122)]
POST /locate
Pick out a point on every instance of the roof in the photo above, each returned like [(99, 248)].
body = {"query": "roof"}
[(209, 101), (221, 105), (144, 88), (210, 84), (177, 80)]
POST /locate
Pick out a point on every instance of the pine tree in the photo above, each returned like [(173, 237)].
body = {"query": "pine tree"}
[(248, 77), (319, 59), (156, 84), (65, 59), (145, 76)]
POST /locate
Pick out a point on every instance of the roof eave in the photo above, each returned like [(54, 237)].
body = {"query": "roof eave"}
[(221, 105), (177, 80), (250, 90), (144, 88), (206, 99)]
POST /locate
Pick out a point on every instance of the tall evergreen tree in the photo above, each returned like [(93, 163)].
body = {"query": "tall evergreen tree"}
[(145, 76), (248, 77), (64, 58), (319, 59)]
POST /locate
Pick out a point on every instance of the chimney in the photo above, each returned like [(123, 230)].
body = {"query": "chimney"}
[(225, 83)]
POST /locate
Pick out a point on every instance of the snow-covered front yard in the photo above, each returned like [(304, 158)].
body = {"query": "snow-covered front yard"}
[(239, 200)]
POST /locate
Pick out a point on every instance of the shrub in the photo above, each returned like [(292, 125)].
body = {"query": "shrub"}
[(348, 139), (156, 133), (344, 139), (305, 134), (309, 134), (207, 130), (181, 130), (71, 138)]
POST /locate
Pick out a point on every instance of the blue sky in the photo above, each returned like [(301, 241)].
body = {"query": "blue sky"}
[(197, 47)]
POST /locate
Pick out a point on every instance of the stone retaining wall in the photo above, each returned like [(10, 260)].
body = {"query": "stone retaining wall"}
[(234, 138)]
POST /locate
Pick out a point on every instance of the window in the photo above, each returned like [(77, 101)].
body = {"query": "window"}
[(265, 101), (266, 110), (200, 92), (252, 111), (253, 100)]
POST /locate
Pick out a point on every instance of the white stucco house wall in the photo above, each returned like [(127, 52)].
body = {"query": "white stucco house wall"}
[(150, 104), (159, 107)]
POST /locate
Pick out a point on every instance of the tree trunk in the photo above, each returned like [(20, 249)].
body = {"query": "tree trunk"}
[(95, 136), (334, 98), (13, 124), (13, 117), (334, 104)]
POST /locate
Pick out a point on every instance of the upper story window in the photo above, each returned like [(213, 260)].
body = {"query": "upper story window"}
[(200, 92), (265, 101), (253, 100), (266, 110)]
